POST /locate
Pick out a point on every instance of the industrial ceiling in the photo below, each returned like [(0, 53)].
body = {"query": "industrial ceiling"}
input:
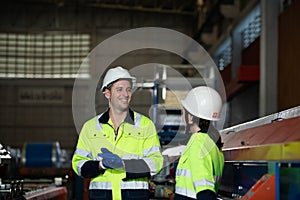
[(211, 18)]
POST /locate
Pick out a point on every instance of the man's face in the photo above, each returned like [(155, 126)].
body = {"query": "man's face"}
[(119, 95)]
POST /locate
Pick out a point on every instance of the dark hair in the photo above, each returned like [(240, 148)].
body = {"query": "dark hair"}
[(205, 127), (203, 124)]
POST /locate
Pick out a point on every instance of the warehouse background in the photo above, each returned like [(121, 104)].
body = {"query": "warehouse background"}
[(255, 45), (43, 43), (30, 33)]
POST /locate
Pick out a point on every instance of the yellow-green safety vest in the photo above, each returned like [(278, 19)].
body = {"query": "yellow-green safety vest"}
[(134, 141), (200, 166)]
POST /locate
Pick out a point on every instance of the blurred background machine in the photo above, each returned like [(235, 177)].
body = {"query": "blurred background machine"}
[(262, 159), (39, 171)]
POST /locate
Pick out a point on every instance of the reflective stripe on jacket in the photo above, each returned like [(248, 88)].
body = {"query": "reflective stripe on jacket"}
[(136, 139), (200, 167)]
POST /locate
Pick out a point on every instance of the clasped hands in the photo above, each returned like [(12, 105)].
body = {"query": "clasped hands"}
[(108, 160)]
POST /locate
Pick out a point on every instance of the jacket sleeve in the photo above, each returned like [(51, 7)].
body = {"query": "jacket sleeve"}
[(201, 165), (206, 194), (152, 160), (82, 160), (136, 168), (90, 169), (152, 151)]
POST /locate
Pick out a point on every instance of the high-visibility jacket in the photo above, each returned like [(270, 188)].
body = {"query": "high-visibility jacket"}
[(136, 138), (200, 166)]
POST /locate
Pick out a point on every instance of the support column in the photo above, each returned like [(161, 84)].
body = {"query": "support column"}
[(237, 48), (270, 10)]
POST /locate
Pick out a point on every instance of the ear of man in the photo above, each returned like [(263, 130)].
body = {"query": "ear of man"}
[(107, 93)]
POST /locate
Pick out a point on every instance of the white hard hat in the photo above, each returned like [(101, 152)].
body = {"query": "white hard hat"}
[(203, 102), (115, 74)]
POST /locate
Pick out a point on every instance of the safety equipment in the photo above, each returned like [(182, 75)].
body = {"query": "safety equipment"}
[(136, 139), (110, 160), (115, 74), (203, 102), (200, 167)]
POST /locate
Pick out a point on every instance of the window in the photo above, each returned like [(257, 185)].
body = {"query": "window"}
[(251, 31), (51, 55), (223, 55), (224, 58)]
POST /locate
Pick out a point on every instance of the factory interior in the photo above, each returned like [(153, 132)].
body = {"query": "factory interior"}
[(53, 55)]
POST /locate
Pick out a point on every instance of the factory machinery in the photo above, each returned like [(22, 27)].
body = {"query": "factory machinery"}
[(262, 159), (39, 171)]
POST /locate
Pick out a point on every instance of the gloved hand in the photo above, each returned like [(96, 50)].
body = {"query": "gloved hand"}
[(110, 160)]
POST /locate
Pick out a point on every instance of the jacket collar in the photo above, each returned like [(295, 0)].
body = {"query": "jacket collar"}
[(129, 117)]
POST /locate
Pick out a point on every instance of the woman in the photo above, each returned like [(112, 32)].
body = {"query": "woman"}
[(201, 165)]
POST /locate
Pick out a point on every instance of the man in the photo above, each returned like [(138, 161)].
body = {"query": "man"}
[(201, 164), (118, 149)]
